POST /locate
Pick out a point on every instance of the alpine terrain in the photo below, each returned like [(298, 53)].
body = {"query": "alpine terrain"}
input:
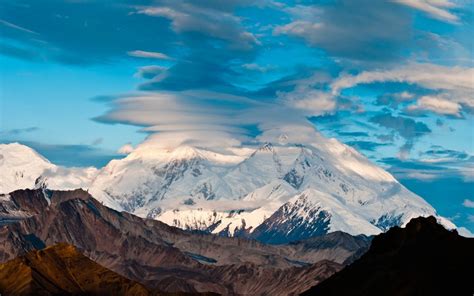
[(275, 193)]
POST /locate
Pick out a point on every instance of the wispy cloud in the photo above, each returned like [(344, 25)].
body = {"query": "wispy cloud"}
[(16, 27), (438, 9), (468, 203), (19, 131), (436, 104), (148, 55), (453, 83)]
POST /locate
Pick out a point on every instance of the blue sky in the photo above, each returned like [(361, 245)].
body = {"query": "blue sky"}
[(395, 79)]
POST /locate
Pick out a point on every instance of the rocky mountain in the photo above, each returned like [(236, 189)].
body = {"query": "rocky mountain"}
[(274, 193), (63, 270), (422, 259), (163, 257)]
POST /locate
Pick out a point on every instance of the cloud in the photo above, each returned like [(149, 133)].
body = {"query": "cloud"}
[(97, 141), (19, 131), (468, 203), (16, 27), (174, 118), (309, 94), (257, 68), (313, 102), (370, 31), (433, 164), (352, 134), (126, 149), (217, 21), (91, 31), (436, 104), (209, 119), (151, 72), (148, 55), (455, 83), (95, 32), (438, 154), (407, 128), (438, 9), (395, 99), (365, 145)]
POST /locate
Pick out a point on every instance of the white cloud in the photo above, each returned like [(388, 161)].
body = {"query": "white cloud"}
[(313, 102), (468, 203), (257, 67), (436, 104), (126, 149), (438, 9), (308, 97), (456, 83), (303, 29), (420, 175), (148, 55), (208, 119)]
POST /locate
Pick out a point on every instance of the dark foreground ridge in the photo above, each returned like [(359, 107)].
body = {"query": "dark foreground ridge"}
[(422, 259)]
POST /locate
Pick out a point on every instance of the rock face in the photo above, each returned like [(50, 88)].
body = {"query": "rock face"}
[(163, 257), (273, 193), (422, 259), (62, 270)]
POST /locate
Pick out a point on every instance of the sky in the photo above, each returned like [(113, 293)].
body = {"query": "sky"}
[(85, 81)]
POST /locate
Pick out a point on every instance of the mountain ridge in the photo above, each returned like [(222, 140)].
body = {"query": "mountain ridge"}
[(161, 256), (234, 194), (421, 259)]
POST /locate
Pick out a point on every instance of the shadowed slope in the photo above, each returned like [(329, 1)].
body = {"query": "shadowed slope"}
[(422, 259)]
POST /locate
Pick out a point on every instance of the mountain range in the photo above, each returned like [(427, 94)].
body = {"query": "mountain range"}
[(163, 257), (275, 193), (68, 243)]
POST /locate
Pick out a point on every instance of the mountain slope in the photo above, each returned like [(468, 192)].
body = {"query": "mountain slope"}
[(62, 270), (422, 259), (160, 256)]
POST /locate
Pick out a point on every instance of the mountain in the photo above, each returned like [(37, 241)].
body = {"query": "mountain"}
[(22, 167), (62, 270), (163, 257), (274, 193), (422, 259)]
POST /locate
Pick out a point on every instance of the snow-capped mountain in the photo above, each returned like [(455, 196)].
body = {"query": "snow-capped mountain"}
[(274, 193), (22, 167)]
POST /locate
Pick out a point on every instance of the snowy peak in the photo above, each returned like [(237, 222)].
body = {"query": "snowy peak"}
[(16, 154), (20, 166)]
